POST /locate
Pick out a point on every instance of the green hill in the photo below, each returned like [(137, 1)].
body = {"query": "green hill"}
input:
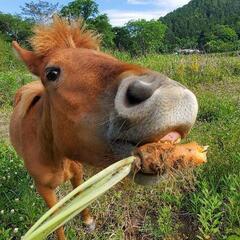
[(202, 21), (12, 75), (7, 61)]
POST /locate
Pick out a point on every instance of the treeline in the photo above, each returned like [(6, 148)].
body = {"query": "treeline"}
[(208, 25), (136, 37)]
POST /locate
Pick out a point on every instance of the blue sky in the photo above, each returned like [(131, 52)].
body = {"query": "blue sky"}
[(119, 11)]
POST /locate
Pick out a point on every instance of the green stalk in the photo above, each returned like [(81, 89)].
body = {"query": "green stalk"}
[(79, 199)]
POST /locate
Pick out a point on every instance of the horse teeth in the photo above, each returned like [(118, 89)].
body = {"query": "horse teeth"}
[(205, 148), (178, 140)]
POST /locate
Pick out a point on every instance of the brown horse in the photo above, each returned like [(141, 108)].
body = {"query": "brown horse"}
[(88, 107)]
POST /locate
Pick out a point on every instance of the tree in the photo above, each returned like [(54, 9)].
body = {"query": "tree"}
[(221, 46), (202, 40), (145, 36), (225, 33), (40, 11), (223, 38), (101, 25), (122, 38), (194, 23), (237, 28), (14, 28), (87, 9)]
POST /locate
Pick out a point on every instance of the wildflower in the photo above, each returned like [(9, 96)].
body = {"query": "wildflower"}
[(4, 178), (21, 218), (15, 230), (12, 211), (2, 212), (15, 173), (32, 186), (16, 199)]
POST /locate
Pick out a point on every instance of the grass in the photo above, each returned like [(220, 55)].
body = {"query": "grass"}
[(204, 205)]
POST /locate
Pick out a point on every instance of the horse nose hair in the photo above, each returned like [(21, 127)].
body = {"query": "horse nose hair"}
[(138, 92)]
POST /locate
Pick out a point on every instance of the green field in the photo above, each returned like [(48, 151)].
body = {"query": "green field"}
[(204, 204)]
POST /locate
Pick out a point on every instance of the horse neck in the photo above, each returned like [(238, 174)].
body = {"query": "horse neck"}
[(48, 146)]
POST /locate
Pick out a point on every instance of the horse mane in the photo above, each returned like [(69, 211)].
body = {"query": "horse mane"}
[(27, 96), (62, 33)]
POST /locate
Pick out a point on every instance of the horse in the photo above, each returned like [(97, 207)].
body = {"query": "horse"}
[(88, 108)]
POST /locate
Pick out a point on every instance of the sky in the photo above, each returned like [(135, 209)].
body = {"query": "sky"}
[(118, 11)]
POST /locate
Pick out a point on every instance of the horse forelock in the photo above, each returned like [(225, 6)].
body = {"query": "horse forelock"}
[(63, 34)]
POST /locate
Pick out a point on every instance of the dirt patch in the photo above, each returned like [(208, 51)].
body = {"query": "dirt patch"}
[(4, 125)]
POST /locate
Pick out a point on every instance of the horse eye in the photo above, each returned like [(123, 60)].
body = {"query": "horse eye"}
[(52, 73)]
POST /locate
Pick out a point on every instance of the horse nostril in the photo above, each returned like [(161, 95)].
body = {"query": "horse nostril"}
[(138, 92)]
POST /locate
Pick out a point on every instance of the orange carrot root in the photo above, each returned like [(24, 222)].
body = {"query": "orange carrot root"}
[(158, 158)]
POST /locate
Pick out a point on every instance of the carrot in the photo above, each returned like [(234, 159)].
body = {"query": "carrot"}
[(158, 158)]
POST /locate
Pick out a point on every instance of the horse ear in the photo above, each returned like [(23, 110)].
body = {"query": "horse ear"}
[(30, 59)]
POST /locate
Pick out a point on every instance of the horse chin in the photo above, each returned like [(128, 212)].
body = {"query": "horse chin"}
[(145, 179)]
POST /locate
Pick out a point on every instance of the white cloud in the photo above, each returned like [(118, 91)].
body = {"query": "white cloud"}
[(161, 8), (166, 4), (120, 17)]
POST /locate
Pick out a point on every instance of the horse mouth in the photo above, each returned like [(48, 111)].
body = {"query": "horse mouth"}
[(174, 137), (144, 178), (126, 148)]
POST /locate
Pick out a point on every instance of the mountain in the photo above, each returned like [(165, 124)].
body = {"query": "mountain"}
[(195, 23)]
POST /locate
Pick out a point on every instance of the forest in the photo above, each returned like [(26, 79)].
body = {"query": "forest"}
[(208, 25)]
